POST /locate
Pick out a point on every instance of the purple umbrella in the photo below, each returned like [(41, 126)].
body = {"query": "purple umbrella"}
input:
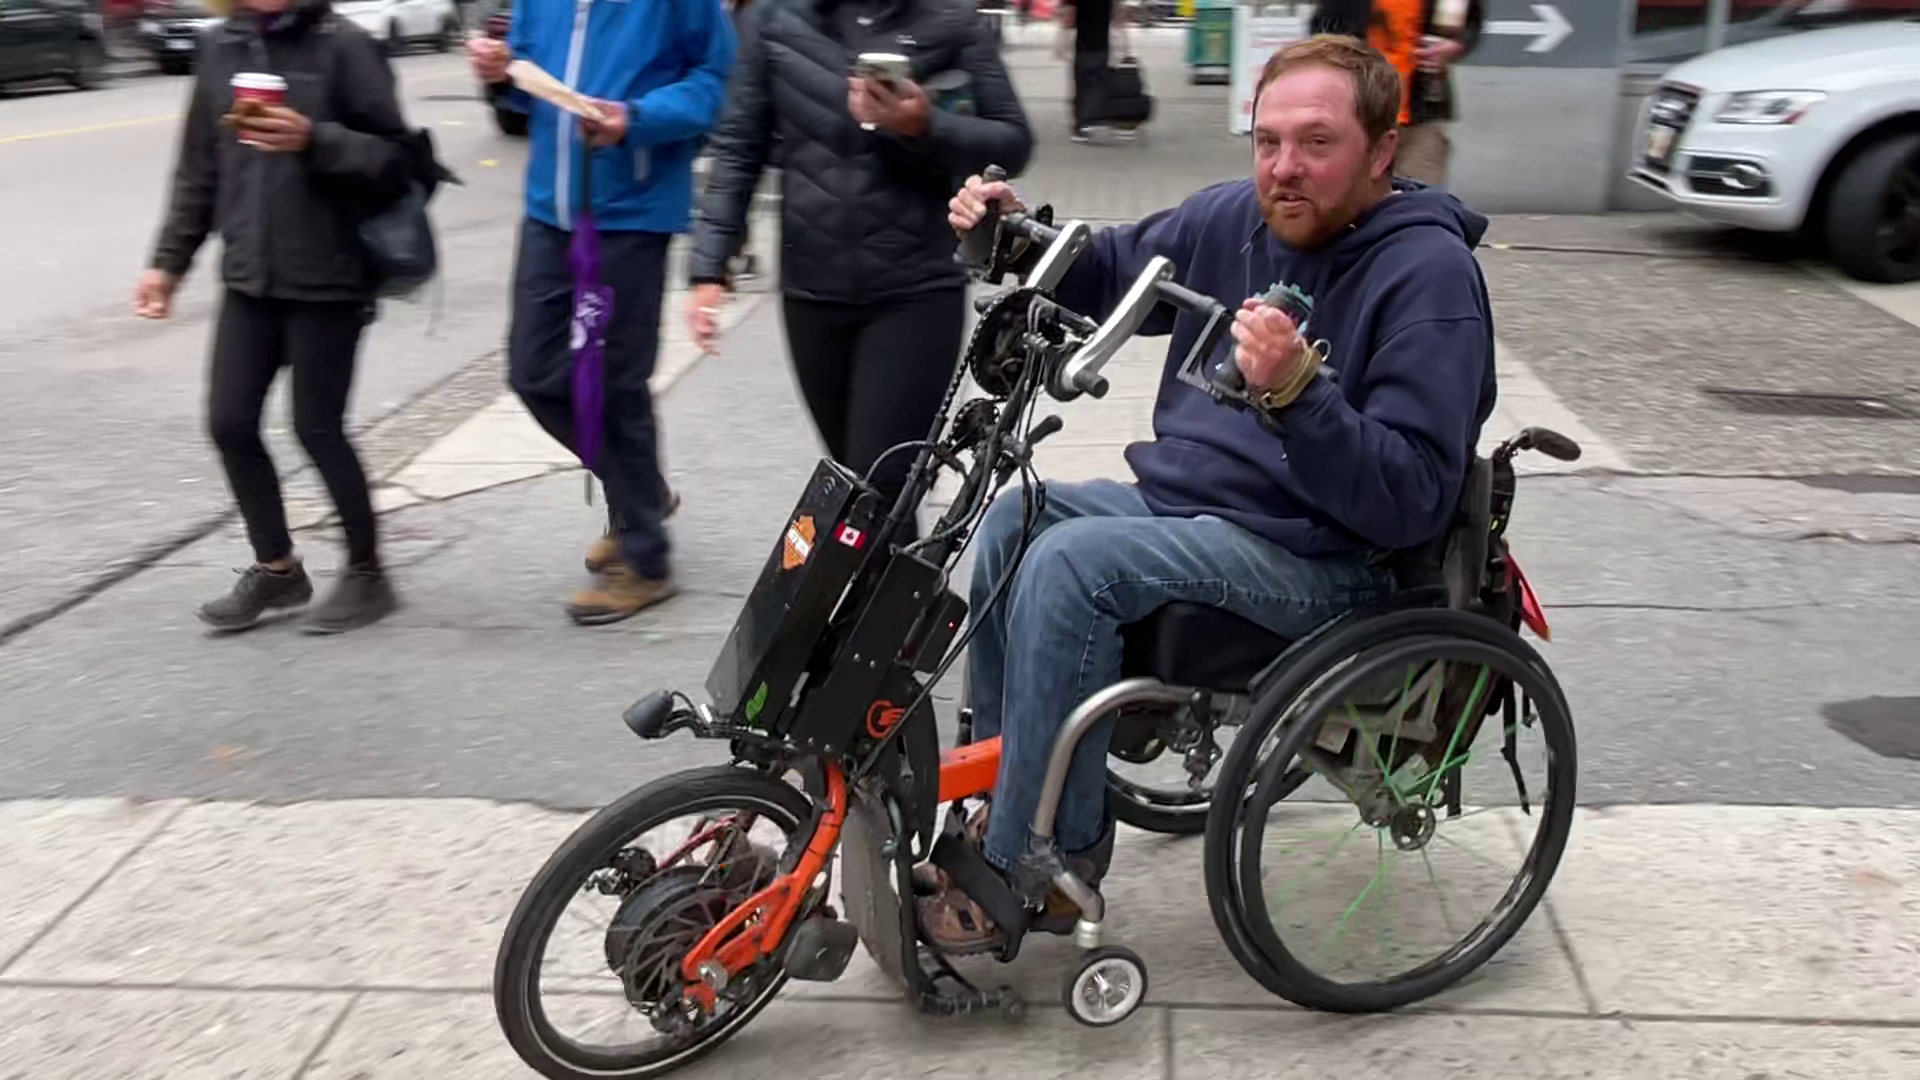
[(592, 310)]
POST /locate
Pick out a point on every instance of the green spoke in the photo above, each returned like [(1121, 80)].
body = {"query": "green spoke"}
[(1446, 759), (1439, 893), (1471, 852), (1276, 903), (1380, 862)]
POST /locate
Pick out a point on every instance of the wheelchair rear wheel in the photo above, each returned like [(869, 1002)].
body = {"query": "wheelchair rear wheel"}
[(1379, 746)]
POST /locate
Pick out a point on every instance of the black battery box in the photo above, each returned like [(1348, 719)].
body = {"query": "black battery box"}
[(819, 551)]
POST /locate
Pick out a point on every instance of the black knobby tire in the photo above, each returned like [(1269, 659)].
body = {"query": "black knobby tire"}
[(89, 65), (516, 979), (1309, 663), (1869, 190)]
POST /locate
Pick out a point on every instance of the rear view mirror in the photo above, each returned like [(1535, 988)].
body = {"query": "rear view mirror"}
[(1081, 373)]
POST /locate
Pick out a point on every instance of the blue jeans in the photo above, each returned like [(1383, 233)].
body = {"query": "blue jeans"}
[(1099, 559)]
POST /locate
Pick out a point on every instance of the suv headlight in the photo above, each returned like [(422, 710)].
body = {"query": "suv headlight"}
[(1768, 106)]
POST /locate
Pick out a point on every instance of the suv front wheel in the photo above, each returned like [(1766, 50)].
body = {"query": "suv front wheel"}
[(1873, 212)]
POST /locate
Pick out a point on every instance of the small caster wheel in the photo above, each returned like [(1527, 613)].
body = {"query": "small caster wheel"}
[(1109, 985), (1013, 1010)]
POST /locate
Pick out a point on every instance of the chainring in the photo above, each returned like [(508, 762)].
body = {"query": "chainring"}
[(994, 356)]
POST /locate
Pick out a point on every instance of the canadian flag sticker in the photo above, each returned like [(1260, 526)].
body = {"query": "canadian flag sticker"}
[(851, 537)]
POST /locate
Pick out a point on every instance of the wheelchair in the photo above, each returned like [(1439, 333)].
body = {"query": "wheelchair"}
[(717, 882)]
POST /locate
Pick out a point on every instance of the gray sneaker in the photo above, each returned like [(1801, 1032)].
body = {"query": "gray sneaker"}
[(258, 591), (363, 597)]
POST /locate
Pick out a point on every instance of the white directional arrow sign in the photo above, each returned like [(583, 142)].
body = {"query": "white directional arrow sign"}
[(1547, 32)]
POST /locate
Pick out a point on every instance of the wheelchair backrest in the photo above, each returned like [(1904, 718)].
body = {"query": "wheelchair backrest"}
[(1456, 559)]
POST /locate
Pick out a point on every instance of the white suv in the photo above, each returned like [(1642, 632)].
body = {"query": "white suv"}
[(401, 23), (1817, 131)]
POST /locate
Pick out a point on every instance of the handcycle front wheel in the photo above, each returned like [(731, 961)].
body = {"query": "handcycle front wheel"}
[(666, 900), (1279, 942)]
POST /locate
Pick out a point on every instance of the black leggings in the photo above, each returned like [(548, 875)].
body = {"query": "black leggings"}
[(873, 375), (318, 340)]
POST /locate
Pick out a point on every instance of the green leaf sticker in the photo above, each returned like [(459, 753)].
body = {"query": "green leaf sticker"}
[(756, 703)]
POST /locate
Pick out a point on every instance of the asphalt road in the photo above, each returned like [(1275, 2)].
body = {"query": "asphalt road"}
[(1703, 632), (100, 427)]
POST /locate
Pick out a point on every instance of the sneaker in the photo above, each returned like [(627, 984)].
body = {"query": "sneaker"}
[(258, 591), (621, 594), (362, 597), (605, 551)]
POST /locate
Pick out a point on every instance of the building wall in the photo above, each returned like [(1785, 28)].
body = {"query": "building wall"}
[(1538, 140)]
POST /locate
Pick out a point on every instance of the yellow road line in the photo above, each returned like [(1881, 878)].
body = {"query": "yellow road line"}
[(32, 135), (431, 76)]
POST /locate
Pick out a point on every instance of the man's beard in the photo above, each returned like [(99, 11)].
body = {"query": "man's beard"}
[(1319, 224)]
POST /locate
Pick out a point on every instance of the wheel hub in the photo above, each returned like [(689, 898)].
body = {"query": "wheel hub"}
[(1104, 988), (1412, 826)]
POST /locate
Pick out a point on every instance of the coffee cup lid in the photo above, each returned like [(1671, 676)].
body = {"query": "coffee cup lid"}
[(256, 80)]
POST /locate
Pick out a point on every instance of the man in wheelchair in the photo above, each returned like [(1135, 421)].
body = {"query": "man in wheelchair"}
[(1369, 412)]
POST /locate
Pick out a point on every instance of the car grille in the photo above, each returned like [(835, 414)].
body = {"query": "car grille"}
[(1671, 107)]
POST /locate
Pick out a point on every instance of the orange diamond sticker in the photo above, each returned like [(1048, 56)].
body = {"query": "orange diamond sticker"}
[(799, 543)]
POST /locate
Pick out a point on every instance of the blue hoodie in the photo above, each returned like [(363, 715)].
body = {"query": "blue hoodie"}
[(1374, 460), (668, 60)]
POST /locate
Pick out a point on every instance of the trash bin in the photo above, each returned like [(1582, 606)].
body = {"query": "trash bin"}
[(1210, 43)]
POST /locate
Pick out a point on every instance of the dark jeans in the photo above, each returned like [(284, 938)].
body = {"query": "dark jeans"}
[(254, 339), (873, 376), (1099, 559), (540, 370)]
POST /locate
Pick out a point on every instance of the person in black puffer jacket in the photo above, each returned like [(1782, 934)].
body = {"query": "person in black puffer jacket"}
[(875, 305), (287, 204)]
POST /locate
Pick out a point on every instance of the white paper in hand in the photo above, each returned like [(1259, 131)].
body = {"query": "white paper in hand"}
[(530, 77)]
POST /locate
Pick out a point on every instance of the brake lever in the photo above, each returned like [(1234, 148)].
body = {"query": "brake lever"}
[(1023, 456)]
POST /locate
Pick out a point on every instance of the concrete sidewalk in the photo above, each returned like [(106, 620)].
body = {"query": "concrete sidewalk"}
[(354, 941)]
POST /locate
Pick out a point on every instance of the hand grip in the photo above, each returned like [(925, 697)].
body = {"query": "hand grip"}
[(976, 247), (1229, 378)]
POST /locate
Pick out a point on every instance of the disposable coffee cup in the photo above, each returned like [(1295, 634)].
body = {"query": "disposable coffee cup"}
[(261, 87)]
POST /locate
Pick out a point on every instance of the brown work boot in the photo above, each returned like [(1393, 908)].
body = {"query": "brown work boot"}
[(620, 594), (605, 551)]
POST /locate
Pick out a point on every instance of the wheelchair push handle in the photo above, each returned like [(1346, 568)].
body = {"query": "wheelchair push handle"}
[(1546, 440)]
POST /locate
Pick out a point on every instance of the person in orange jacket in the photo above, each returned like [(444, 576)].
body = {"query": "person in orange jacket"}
[(1423, 39)]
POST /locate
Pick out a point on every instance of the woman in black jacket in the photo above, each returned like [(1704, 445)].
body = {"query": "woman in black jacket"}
[(286, 189), (875, 305)]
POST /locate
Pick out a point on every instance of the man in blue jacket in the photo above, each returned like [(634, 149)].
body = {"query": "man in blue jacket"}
[(1283, 516), (657, 74)]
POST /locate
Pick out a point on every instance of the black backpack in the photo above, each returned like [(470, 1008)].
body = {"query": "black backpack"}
[(401, 249), (398, 240)]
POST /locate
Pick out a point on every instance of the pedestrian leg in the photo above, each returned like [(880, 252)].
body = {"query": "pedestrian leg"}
[(247, 355)]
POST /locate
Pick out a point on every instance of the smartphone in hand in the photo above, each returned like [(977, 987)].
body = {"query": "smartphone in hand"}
[(890, 69)]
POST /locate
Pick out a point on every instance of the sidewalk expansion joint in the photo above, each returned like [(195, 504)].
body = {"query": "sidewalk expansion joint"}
[(1276, 1005), (126, 857), (1573, 958), (1703, 609), (327, 1037)]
